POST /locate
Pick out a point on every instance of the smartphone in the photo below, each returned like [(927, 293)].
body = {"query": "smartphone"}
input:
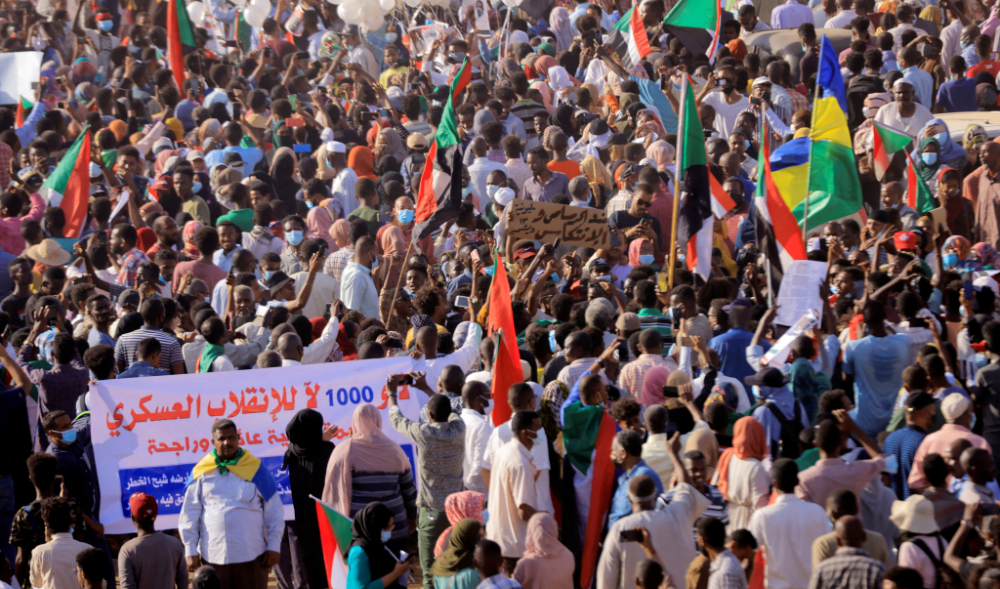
[(474, 254), (394, 343), (707, 132), (404, 379), (302, 55), (268, 52), (327, 309), (295, 122), (321, 90), (630, 536), (555, 243), (686, 341), (302, 148), (231, 95), (670, 392), (384, 113), (661, 279), (237, 110), (229, 43), (462, 302), (967, 286), (755, 101), (384, 218)]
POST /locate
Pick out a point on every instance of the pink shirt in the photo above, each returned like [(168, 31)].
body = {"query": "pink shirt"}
[(829, 474), (10, 227), (938, 443)]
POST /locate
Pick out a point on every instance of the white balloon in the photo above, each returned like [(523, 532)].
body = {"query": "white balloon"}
[(350, 13), (387, 4), (254, 18), (196, 11), (373, 21), (413, 3)]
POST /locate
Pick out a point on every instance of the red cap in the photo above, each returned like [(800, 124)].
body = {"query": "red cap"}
[(143, 506), (524, 253), (905, 240), (979, 347), (102, 16)]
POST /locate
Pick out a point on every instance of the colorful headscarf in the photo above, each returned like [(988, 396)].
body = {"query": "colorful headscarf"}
[(749, 441), (562, 28), (190, 228), (988, 255), (738, 49), (633, 251), (459, 506), (652, 386), (340, 232), (360, 160)]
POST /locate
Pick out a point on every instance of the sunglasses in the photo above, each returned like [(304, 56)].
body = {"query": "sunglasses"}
[(644, 203)]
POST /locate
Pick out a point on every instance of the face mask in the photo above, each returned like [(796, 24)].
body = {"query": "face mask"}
[(491, 190), (961, 311), (457, 57), (646, 259), (196, 187), (891, 463), (208, 299), (552, 341), (105, 25), (950, 260), (486, 516), (405, 216), (963, 45), (870, 113), (350, 48), (929, 158), (746, 144), (833, 289), (294, 237), (386, 536), (374, 263), (804, 49), (466, 191), (267, 275), (69, 436), (68, 26), (682, 258), (391, 37), (973, 424), (893, 206), (489, 271), (981, 360), (310, 204)]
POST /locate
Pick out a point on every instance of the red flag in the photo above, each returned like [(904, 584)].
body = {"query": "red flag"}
[(600, 498), (76, 195), (507, 362), (180, 34)]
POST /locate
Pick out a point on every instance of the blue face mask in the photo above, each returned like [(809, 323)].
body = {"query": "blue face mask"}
[(466, 190), (105, 25), (646, 259), (374, 263), (963, 45), (69, 436), (310, 204), (950, 260), (833, 289), (196, 187), (405, 216), (267, 275), (746, 144), (294, 237), (489, 270), (486, 514), (391, 37), (386, 536), (929, 158)]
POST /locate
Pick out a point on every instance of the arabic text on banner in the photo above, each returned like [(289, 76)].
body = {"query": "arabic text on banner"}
[(148, 433)]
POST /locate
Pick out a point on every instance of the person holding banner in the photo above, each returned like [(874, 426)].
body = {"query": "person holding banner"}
[(232, 517)]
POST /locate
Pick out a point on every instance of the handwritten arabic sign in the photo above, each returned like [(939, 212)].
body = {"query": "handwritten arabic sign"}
[(148, 433), (543, 221)]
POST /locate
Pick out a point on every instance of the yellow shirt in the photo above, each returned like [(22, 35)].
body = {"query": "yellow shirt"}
[(384, 76)]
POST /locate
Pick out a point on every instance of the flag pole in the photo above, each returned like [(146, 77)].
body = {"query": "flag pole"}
[(679, 177), (395, 291), (812, 123)]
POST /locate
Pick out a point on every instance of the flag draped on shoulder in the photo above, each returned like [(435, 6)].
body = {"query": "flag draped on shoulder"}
[(335, 536), (918, 195), (68, 186), (833, 189), (694, 221), (180, 38), (440, 192), (507, 364), (779, 236), (886, 141), (697, 14), (628, 37)]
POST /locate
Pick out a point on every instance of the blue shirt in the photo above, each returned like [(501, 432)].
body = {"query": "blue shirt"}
[(224, 260), (877, 364), (958, 95), (889, 62), (732, 348), (970, 56), (903, 444), (251, 157), (923, 85), (621, 505), (26, 132), (463, 278), (96, 338), (140, 368)]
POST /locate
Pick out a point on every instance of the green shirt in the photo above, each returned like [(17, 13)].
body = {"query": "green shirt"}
[(242, 217), (369, 216)]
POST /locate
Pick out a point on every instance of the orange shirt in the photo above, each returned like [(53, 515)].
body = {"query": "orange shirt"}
[(568, 167), (984, 66)]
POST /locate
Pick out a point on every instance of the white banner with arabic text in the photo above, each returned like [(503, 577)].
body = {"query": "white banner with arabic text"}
[(148, 433)]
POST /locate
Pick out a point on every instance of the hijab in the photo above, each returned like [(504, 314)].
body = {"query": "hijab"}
[(948, 150), (508, 68), (319, 220), (597, 173), (988, 255), (367, 450), (626, 100), (159, 166), (482, 117), (360, 160), (652, 386), (461, 546), (367, 528), (283, 173), (387, 164), (633, 251), (542, 538), (146, 238), (307, 455), (559, 79), (662, 153), (547, 96), (543, 63), (738, 49), (459, 506), (562, 28), (340, 231), (749, 441), (928, 171), (955, 206), (393, 144), (562, 117), (190, 228)]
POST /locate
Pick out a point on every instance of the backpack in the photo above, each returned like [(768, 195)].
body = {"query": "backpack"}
[(941, 570), (788, 444)]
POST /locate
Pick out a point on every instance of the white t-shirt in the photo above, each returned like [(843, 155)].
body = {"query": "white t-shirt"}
[(725, 113)]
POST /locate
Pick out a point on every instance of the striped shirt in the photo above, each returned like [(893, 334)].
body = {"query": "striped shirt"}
[(903, 444), (630, 378), (849, 568), (716, 509), (130, 267), (336, 262), (440, 453), (126, 346), (53, 564), (621, 201), (395, 489), (725, 572), (526, 110)]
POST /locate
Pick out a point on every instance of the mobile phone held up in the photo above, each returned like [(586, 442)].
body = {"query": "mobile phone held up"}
[(630, 536)]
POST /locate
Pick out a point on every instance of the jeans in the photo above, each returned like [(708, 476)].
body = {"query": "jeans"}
[(430, 524), (7, 511)]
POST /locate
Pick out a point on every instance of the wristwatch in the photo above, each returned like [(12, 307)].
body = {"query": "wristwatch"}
[(600, 362)]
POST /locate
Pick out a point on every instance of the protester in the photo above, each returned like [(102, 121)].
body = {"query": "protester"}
[(153, 559)]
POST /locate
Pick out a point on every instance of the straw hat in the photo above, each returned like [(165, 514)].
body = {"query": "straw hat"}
[(49, 252), (915, 515)]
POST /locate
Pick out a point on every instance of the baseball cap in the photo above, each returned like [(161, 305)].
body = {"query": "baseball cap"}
[(628, 322), (768, 377), (277, 281), (762, 80), (905, 240), (416, 141), (143, 506), (129, 297), (599, 264), (524, 253), (917, 400), (233, 160)]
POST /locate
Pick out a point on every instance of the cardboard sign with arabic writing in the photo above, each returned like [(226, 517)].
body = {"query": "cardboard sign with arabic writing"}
[(544, 221)]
